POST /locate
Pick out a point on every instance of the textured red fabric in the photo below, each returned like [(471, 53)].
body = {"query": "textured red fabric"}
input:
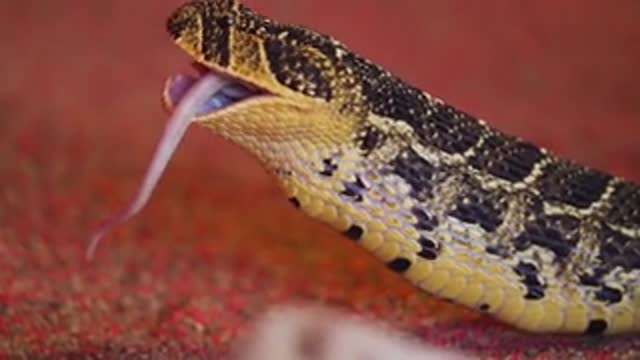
[(218, 244)]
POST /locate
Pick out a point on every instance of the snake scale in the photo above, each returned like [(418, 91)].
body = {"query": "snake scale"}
[(460, 209)]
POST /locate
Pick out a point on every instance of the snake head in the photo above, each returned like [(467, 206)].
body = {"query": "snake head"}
[(286, 81), (203, 29)]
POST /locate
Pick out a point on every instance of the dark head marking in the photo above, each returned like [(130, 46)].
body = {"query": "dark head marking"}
[(226, 35)]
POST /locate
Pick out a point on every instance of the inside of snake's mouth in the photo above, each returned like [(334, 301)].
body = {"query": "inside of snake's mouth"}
[(187, 97), (231, 91)]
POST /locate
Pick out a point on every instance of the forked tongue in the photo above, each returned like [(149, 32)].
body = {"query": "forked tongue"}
[(187, 109)]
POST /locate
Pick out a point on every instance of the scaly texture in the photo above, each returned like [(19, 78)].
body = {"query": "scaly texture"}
[(459, 208)]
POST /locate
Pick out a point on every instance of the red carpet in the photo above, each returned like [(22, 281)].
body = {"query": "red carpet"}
[(218, 244)]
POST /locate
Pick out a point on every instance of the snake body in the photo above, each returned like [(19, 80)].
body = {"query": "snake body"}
[(460, 209)]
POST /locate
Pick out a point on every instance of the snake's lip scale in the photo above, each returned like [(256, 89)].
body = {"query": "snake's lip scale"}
[(177, 85)]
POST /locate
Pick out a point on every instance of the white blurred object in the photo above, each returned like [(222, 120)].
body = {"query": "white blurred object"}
[(320, 334)]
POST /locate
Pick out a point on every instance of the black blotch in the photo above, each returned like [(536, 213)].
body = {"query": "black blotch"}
[(329, 167), (572, 184), (529, 275), (428, 254), (295, 202), (595, 277), (484, 307), (618, 249), (416, 171), (351, 193), (399, 264), (534, 293), (528, 271), (297, 69), (596, 327), (215, 38), (354, 232), (449, 129), (498, 250), (371, 138), (386, 95), (558, 233), (626, 205), (506, 157), (425, 221), (590, 279), (609, 295), (481, 208), (354, 189), (430, 249), (612, 248)]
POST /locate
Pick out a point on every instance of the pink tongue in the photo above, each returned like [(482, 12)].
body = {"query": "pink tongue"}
[(176, 127)]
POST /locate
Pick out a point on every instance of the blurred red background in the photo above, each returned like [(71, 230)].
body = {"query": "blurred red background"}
[(218, 244)]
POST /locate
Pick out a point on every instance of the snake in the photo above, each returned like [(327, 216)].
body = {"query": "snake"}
[(459, 208)]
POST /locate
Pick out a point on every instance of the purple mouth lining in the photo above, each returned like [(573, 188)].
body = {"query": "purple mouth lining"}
[(178, 85)]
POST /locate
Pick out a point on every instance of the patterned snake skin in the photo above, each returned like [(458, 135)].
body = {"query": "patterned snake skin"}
[(460, 209)]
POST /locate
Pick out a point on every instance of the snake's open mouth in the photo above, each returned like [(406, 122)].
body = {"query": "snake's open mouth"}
[(187, 97), (232, 91)]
